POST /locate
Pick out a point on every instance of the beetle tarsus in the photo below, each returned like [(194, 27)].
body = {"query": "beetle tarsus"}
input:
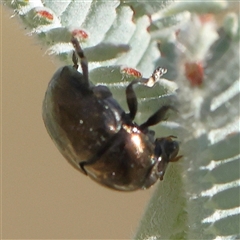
[(131, 95), (158, 73)]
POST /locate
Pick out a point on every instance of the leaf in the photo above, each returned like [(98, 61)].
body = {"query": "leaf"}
[(199, 197), (108, 34)]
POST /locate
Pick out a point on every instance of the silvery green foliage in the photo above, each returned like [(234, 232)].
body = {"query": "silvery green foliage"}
[(111, 37), (199, 197)]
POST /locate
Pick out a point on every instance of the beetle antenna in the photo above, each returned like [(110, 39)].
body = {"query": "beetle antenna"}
[(83, 60)]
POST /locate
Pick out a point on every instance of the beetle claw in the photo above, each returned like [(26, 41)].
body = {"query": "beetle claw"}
[(176, 158), (81, 164)]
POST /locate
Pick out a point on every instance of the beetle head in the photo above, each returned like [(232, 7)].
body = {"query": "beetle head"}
[(166, 150)]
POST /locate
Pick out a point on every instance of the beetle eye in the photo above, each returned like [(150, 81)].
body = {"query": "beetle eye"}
[(172, 149), (166, 147)]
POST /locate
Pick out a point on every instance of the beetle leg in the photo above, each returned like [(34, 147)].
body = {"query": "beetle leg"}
[(99, 154), (75, 60), (132, 99), (130, 94), (83, 60), (157, 117)]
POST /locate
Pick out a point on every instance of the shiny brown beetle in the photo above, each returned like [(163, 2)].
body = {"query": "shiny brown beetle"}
[(97, 137)]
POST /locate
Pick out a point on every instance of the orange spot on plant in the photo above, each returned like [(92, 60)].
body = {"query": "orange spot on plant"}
[(177, 32), (45, 14), (206, 18), (131, 72), (80, 34), (194, 72)]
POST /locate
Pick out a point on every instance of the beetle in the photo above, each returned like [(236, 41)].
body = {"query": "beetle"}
[(98, 137)]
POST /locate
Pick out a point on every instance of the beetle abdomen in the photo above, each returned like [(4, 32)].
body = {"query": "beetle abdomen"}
[(77, 120)]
